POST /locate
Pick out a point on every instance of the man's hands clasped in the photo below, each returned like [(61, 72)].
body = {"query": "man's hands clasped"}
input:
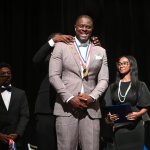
[(6, 137), (80, 102)]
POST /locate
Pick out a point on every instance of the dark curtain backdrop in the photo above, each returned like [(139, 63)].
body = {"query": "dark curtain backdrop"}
[(123, 27)]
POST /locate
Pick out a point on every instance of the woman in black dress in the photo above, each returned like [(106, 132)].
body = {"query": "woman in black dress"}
[(129, 134)]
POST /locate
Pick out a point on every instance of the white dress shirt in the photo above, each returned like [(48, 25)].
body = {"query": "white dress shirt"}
[(51, 42), (6, 95)]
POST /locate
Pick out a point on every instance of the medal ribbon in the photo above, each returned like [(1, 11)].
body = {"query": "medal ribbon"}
[(88, 50)]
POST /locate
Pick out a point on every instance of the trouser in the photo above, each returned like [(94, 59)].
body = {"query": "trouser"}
[(71, 130), (45, 132)]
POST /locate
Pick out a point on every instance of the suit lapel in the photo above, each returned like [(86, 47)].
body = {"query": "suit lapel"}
[(76, 57), (92, 56), (11, 98)]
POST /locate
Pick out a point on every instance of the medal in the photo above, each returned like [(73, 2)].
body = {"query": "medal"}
[(85, 73), (84, 61)]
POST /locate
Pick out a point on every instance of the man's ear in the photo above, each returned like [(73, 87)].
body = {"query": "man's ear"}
[(75, 27)]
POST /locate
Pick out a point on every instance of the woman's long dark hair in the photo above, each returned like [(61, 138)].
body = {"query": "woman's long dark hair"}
[(134, 75)]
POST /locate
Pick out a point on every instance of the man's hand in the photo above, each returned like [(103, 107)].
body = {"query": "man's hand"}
[(4, 138), (95, 41), (86, 99), (13, 136), (76, 103), (63, 38)]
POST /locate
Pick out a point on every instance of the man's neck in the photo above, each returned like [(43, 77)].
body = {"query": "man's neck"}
[(79, 42)]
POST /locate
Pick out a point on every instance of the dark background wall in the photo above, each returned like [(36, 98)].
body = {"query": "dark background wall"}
[(123, 27)]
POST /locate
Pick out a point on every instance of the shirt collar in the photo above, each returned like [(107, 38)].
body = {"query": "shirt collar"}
[(81, 44)]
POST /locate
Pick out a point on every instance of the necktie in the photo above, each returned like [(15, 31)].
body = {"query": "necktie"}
[(8, 88)]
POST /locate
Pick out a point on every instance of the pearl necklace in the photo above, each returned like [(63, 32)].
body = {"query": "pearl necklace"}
[(119, 92)]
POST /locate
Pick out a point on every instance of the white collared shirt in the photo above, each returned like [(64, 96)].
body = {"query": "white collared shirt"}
[(6, 95), (82, 49), (51, 42), (83, 53)]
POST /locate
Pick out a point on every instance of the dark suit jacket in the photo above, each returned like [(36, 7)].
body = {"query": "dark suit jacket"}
[(46, 94), (15, 119)]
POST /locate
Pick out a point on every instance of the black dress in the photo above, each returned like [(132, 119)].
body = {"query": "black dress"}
[(129, 135)]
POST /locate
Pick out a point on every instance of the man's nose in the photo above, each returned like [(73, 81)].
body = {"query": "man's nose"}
[(7, 74)]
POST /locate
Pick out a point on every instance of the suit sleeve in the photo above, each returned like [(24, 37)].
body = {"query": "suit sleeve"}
[(55, 71), (24, 115), (42, 53), (103, 78), (143, 95)]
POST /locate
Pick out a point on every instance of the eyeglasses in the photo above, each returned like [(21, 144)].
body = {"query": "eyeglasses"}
[(125, 63)]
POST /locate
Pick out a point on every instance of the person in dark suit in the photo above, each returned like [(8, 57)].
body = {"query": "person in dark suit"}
[(79, 73), (45, 121), (14, 111)]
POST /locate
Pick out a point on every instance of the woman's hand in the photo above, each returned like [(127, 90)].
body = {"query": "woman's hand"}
[(132, 116), (135, 115), (111, 118)]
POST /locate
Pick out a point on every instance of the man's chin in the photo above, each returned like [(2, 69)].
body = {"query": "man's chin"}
[(84, 40)]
